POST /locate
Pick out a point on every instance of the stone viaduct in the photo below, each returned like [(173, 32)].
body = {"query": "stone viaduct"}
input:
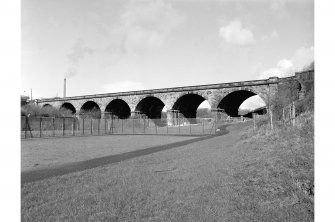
[(223, 97)]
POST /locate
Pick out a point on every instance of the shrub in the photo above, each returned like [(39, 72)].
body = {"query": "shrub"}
[(48, 111), (93, 113), (306, 104)]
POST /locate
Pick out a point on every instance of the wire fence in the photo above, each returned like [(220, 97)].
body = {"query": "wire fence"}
[(38, 127), (286, 116)]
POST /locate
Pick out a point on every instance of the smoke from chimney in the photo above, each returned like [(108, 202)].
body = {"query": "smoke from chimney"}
[(64, 87), (78, 52)]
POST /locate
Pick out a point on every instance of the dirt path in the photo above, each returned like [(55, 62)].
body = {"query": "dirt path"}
[(39, 174), (48, 153)]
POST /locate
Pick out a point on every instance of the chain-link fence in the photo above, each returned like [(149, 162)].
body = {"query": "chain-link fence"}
[(35, 127)]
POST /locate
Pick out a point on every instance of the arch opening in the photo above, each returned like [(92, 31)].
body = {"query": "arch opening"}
[(47, 110), (119, 108), (47, 106), (187, 105), (204, 110), (151, 107), (90, 109), (232, 102), (68, 107)]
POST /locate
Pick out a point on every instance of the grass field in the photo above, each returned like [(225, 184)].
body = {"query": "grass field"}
[(44, 153), (241, 176)]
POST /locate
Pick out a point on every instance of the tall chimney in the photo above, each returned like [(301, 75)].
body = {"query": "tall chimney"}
[(64, 87)]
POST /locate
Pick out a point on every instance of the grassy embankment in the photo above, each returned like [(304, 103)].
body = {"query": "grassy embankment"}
[(283, 173)]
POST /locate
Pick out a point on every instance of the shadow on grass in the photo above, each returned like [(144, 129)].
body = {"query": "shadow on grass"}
[(34, 175)]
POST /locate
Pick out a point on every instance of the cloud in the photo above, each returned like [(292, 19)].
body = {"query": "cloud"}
[(287, 67), (277, 4), (138, 38), (283, 68), (123, 86), (53, 22), (152, 14), (272, 36), (280, 7), (234, 34), (303, 56), (146, 24), (78, 53)]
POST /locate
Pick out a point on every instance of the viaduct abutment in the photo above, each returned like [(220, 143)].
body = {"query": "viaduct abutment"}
[(184, 100)]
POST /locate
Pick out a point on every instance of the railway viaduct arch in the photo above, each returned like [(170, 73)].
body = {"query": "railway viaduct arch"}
[(225, 97)]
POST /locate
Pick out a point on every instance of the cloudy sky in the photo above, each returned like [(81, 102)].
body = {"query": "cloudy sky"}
[(108, 46)]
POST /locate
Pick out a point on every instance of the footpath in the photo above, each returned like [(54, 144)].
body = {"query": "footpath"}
[(40, 174)]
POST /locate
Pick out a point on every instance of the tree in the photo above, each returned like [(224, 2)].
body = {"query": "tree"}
[(24, 100)]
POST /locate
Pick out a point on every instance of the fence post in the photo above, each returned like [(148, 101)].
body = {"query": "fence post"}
[(156, 127), (293, 114), (53, 126), (112, 126), (40, 126), (190, 128), (99, 126), (31, 134), (167, 127), (63, 126), (73, 126), (91, 126), (254, 120), (144, 125), (108, 127), (133, 126), (271, 124), (25, 127), (203, 127), (83, 126), (28, 126), (105, 127), (178, 125), (215, 124)]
